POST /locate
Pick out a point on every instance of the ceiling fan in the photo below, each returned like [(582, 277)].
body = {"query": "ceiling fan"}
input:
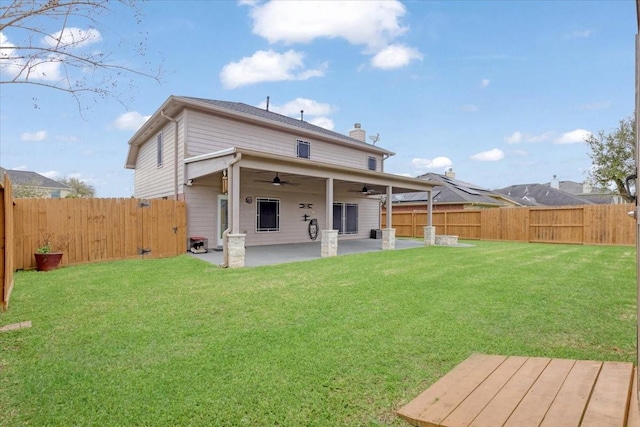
[(276, 181), (368, 191)]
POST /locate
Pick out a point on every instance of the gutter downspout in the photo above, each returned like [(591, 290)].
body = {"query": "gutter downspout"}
[(225, 249), (175, 153), (386, 156)]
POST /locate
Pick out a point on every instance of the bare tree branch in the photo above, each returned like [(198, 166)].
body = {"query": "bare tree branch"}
[(57, 45)]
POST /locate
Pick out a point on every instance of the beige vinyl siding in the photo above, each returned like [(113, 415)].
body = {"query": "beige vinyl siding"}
[(202, 209), (153, 181), (208, 134), (293, 229)]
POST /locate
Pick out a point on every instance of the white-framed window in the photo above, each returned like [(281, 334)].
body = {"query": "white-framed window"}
[(159, 149), (303, 149), (372, 163), (345, 218), (267, 214)]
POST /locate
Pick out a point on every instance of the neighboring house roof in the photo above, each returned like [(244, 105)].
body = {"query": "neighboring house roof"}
[(585, 191), (453, 191), (239, 111), (33, 178), (542, 195)]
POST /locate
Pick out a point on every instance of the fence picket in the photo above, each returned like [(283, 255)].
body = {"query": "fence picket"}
[(586, 224)]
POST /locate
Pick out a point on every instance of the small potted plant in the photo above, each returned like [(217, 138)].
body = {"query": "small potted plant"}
[(50, 249)]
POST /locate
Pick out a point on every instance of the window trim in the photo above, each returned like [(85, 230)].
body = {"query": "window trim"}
[(307, 144), (375, 163), (159, 150), (259, 201)]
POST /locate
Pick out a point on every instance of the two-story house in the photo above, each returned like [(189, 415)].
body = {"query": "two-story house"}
[(253, 177)]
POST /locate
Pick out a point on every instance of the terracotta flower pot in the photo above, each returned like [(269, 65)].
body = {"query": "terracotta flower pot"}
[(49, 261)]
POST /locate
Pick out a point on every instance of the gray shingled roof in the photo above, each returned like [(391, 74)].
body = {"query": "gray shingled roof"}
[(542, 195), (270, 115), (451, 191), (32, 178)]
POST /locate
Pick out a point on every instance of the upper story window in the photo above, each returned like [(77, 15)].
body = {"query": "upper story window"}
[(159, 149), (372, 163), (303, 149), (268, 214)]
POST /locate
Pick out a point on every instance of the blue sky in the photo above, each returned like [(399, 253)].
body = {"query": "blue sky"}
[(504, 92)]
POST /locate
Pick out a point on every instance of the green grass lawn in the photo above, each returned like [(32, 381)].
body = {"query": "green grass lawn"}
[(333, 342)]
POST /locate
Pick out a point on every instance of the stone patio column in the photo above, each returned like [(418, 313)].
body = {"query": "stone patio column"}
[(388, 239), (429, 235), (329, 243), (235, 249)]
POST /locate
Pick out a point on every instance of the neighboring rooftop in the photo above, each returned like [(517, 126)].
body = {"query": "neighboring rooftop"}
[(542, 195), (453, 191), (560, 193), (19, 177)]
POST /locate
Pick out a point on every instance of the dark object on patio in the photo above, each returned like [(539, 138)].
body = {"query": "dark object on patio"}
[(376, 233)]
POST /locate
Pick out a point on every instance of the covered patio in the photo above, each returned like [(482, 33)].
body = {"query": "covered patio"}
[(256, 256), (243, 173)]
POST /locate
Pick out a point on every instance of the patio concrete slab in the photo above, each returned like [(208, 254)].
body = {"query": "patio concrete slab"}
[(256, 256)]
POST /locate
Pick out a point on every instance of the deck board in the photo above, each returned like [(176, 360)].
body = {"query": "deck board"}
[(482, 395), (507, 399), (610, 397), (529, 391), (569, 405)]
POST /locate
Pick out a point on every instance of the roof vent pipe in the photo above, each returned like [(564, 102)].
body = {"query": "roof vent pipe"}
[(267, 103), (301, 115)]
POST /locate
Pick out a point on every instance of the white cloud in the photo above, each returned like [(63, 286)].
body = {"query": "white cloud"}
[(514, 138), (130, 121), (470, 108), (518, 137), (395, 56), (292, 108), (47, 67), (437, 163), (370, 23), (573, 137), (581, 34), (484, 83), (267, 66), (20, 168), (489, 156), (72, 37), (38, 136), (323, 122)]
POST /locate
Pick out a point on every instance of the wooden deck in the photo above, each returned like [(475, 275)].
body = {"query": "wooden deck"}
[(529, 391)]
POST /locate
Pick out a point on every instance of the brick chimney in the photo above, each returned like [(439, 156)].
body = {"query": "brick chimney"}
[(358, 133), (449, 173)]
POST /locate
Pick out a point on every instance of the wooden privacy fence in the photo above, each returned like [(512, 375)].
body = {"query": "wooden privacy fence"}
[(100, 229), (586, 224), (6, 240)]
